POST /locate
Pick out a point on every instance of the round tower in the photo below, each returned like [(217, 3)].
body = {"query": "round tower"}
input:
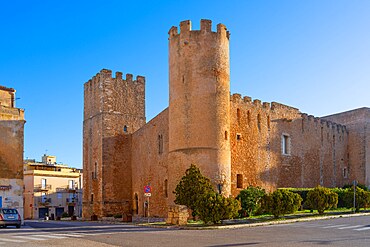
[(199, 103)]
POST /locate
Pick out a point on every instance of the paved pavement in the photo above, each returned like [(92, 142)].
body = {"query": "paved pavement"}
[(342, 232)]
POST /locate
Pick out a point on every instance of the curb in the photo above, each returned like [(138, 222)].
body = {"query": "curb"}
[(245, 225)]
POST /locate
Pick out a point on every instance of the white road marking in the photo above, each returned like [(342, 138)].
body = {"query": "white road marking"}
[(29, 237), (48, 236), (350, 227), (69, 235), (366, 228), (334, 226), (12, 240)]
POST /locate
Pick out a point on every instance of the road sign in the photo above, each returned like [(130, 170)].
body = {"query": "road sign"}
[(147, 194), (147, 189)]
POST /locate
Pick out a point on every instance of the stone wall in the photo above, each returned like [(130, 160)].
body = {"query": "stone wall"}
[(317, 148), (150, 165), (357, 123), (11, 151), (114, 108)]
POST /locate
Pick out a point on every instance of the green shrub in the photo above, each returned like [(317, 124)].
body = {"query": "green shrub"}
[(65, 215), (191, 187), (303, 194), (362, 199), (341, 193), (349, 186), (117, 216), (213, 207), (250, 200), (321, 199), (280, 202)]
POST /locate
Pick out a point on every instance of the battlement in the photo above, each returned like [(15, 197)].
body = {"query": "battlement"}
[(205, 27), (12, 90), (237, 98), (107, 74), (325, 123)]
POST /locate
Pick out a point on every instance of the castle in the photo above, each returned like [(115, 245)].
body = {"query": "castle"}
[(234, 140)]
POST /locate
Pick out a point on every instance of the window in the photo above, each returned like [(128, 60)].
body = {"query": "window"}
[(95, 172), (268, 122), (92, 198), (238, 114), (125, 129), (226, 135), (345, 172), (238, 137), (71, 184), (160, 144), (285, 144), (43, 183), (166, 188), (259, 122), (59, 195), (239, 181), (43, 197)]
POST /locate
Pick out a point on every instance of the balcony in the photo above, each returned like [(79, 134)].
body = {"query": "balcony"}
[(67, 189), (42, 187), (43, 201)]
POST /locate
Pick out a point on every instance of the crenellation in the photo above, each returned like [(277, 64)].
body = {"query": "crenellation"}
[(206, 25), (266, 105), (236, 97), (129, 77), (247, 99), (173, 31), (185, 27), (119, 75), (140, 79), (257, 102)]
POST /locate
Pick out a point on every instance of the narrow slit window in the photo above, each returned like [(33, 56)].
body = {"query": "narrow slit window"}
[(239, 181), (285, 144), (226, 135), (238, 114)]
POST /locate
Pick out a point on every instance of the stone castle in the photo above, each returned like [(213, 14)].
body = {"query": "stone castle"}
[(234, 140)]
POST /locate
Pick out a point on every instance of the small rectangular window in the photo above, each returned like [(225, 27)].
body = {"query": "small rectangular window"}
[(239, 181), (92, 198), (345, 172), (285, 144), (238, 137)]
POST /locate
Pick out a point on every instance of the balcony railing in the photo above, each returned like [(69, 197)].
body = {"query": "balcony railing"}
[(67, 189), (43, 201), (42, 187)]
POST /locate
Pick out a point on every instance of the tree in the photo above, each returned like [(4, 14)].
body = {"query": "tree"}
[(321, 199), (280, 202), (214, 207), (191, 187), (250, 199)]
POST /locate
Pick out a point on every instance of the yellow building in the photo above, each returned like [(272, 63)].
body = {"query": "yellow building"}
[(51, 189)]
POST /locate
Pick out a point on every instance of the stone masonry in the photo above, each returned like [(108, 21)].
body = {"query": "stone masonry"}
[(11, 150), (236, 141)]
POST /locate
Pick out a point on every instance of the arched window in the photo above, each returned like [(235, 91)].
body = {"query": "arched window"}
[(125, 128)]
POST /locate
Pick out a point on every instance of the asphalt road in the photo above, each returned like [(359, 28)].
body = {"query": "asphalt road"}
[(353, 231)]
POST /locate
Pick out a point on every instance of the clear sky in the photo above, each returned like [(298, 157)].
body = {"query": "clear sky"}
[(313, 55)]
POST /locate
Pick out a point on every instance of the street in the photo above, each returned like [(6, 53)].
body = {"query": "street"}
[(352, 231)]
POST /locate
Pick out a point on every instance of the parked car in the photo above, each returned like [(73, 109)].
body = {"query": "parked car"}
[(10, 217)]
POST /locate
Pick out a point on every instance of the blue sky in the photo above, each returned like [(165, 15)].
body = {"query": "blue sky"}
[(313, 55)]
